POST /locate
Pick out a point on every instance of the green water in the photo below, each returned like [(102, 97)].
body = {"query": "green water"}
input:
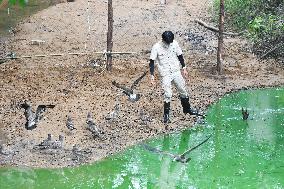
[(240, 154), (18, 12)]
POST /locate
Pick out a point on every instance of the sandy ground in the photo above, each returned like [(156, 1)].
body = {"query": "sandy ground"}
[(80, 84)]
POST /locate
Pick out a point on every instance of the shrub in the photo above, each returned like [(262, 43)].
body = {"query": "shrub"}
[(263, 19)]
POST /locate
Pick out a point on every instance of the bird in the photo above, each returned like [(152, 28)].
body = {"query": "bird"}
[(11, 55), (45, 144), (132, 97), (69, 124), (1, 150), (114, 114), (144, 117), (245, 114), (5, 152), (176, 157), (91, 126), (49, 144), (75, 148), (58, 144), (33, 118)]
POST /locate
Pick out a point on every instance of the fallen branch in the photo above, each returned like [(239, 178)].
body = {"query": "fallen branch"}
[(272, 50), (211, 28)]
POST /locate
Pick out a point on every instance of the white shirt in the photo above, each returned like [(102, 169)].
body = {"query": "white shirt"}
[(166, 57)]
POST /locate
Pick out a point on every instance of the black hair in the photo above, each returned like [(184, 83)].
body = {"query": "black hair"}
[(168, 37)]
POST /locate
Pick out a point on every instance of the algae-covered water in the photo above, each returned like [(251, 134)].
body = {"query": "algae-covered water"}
[(239, 154)]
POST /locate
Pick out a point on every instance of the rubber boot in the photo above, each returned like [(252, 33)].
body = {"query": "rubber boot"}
[(186, 107), (166, 112)]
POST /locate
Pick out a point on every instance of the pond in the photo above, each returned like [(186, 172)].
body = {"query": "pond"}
[(239, 154)]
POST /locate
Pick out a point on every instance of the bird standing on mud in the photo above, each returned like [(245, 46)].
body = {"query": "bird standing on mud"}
[(46, 142), (69, 124), (33, 118), (58, 144), (49, 144), (130, 91), (91, 126), (115, 113)]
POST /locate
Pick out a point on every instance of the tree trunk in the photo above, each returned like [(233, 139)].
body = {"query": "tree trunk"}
[(220, 38), (109, 36)]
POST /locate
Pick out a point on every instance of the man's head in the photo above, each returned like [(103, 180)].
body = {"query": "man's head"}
[(168, 37)]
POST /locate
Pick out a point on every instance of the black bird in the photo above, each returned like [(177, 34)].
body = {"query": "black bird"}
[(176, 157), (91, 126), (245, 114), (69, 124), (33, 118), (130, 91)]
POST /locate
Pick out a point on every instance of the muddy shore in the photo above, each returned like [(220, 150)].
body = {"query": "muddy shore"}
[(80, 84)]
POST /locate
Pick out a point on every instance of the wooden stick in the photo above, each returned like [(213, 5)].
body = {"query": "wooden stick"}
[(61, 54), (77, 53), (26, 56), (123, 52), (56, 54), (109, 36), (214, 29)]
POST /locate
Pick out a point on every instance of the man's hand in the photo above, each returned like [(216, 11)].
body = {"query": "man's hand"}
[(185, 73), (152, 80)]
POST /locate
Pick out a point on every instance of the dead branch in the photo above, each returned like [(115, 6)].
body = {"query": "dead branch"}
[(271, 50), (211, 28)]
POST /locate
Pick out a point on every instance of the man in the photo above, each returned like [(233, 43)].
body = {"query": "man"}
[(168, 56)]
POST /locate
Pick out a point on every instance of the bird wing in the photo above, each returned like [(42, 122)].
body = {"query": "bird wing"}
[(174, 156), (193, 148), (30, 116), (50, 106), (28, 110), (125, 89), (40, 109), (156, 150), (151, 149), (25, 105), (135, 83)]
